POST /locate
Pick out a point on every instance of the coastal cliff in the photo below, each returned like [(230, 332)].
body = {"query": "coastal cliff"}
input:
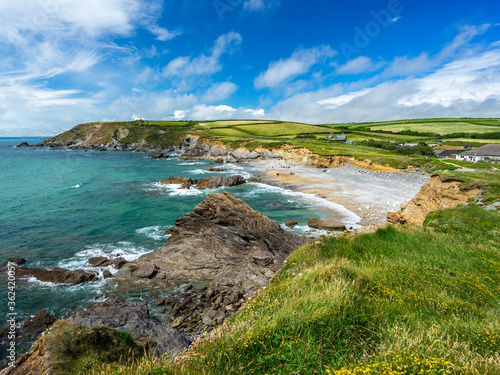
[(140, 136), (437, 194)]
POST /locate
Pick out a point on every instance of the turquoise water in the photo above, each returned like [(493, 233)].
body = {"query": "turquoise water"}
[(59, 208)]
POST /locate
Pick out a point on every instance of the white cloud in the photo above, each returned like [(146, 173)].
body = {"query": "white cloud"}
[(161, 33), (219, 91), (361, 64), (260, 5), (185, 66), (466, 87), (301, 61), (254, 5), (405, 65), (472, 79), (340, 100), (218, 112)]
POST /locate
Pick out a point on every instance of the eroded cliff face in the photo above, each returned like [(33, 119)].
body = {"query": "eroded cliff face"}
[(207, 149), (435, 195)]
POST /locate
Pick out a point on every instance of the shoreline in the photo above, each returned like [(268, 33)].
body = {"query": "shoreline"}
[(367, 193)]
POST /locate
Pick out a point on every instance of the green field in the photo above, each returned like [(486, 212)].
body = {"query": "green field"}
[(441, 128)]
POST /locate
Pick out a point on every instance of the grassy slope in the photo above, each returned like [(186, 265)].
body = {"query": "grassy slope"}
[(402, 300), (155, 132)]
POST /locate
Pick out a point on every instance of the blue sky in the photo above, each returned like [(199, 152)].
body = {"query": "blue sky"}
[(65, 62)]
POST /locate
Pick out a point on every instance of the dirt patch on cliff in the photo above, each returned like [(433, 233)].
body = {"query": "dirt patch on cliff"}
[(435, 195)]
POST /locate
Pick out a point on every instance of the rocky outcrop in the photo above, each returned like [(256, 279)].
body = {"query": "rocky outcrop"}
[(104, 262), (57, 275), (435, 195), (24, 144), (223, 242), (133, 317), (70, 348), (159, 157), (333, 225), (15, 261), (194, 311), (212, 182), (30, 328), (208, 149), (216, 169), (35, 325), (291, 223)]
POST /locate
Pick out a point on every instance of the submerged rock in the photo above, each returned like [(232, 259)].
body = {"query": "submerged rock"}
[(216, 169), (223, 242), (159, 157)]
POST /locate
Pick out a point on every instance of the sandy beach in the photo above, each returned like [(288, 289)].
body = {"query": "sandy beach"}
[(369, 194)]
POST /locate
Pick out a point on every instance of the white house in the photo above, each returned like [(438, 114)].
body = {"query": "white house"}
[(487, 153)]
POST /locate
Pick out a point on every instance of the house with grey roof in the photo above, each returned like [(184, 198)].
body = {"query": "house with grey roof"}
[(487, 153), (340, 138)]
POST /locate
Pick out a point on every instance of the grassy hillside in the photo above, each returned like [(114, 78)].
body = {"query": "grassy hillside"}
[(403, 300), (155, 132)]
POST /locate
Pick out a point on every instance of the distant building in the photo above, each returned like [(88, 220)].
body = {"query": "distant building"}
[(339, 138), (447, 152), (487, 153)]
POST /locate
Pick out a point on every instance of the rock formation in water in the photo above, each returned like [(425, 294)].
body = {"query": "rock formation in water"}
[(57, 275), (212, 182), (333, 225), (223, 242)]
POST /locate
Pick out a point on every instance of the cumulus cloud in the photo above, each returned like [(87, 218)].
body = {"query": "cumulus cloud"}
[(469, 86), (61, 42), (185, 66), (300, 63), (218, 112)]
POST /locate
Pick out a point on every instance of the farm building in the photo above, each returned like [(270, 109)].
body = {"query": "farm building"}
[(340, 138), (484, 153), (447, 152)]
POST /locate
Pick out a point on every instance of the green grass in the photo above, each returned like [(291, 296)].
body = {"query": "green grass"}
[(402, 300), (75, 349), (442, 128)]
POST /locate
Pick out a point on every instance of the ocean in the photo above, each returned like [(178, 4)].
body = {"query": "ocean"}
[(59, 208)]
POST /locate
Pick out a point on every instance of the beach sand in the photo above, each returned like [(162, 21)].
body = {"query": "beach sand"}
[(370, 194)]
